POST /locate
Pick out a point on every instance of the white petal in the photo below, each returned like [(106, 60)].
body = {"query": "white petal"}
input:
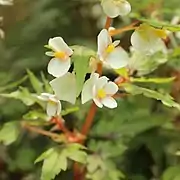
[(98, 103), (116, 43), (59, 45), (101, 82), (109, 102), (59, 107), (111, 88), (104, 39), (87, 91), (124, 8), (110, 8), (65, 87), (45, 96), (57, 67), (49, 53), (114, 8), (51, 109), (118, 58)]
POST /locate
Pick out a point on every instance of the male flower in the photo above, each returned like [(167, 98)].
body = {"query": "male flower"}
[(100, 90), (61, 61)]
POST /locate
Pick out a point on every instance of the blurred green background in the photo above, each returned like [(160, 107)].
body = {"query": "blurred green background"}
[(149, 132)]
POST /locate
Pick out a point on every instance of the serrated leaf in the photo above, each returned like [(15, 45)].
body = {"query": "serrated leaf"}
[(9, 133), (36, 84), (152, 80), (166, 99), (22, 94), (161, 25), (81, 59)]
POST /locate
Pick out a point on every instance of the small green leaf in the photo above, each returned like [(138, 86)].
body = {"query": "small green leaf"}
[(22, 94), (171, 173), (9, 132), (36, 84), (47, 86), (152, 80), (166, 99), (69, 111), (81, 59)]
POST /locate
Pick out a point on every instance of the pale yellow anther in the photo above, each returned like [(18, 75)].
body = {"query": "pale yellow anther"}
[(60, 55), (52, 102), (101, 93), (110, 48)]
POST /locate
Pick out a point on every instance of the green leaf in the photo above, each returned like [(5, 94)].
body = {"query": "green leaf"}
[(81, 59), (47, 86), (171, 173), (144, 64), (22, 94), (152, 80), (54, 162), (166, 99), (69, 111), (161, 24), (36, 84), (9, 133), (14, 84)]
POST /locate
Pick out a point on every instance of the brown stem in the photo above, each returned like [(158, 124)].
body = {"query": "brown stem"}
[(40, 131), (121, 30), (79, 173)]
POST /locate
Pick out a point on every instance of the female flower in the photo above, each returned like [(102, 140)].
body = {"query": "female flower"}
[(114, 8), (147, 39), (109, 52), (100, 90), (61, 61), (53, 105)]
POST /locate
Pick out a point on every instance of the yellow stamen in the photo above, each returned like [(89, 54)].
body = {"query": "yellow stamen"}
[(101, 93), (52, 102), (60, 55), (110, 48)]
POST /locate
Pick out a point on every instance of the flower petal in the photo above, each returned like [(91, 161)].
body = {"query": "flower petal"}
[(65, 87), (118, 58), (114, 8), (104, 39), (59, 45), (98, 103), (111, 88), (116, 43), (50, 53), (109, 102), (87, 91), (101, 82), (57, 67), (45, 96), (59, 107), (51, 109)]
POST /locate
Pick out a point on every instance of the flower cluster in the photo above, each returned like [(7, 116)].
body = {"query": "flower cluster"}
[(100, 89)]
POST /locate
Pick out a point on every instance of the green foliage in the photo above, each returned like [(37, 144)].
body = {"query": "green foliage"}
[(81, 59), (9, 133), (55, 159)]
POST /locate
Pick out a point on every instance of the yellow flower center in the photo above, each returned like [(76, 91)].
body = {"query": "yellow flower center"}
[(110, 48), (60, 55), (160, 33), (101, 93), (52, 102)]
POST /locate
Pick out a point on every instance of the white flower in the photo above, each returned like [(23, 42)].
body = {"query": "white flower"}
[(61, 61), (65, 87), (100, 90), (53, 106), (114, 8), (109, 52), (147, 39)]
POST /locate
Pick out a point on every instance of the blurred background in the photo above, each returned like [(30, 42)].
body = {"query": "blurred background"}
[(150, 132)]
